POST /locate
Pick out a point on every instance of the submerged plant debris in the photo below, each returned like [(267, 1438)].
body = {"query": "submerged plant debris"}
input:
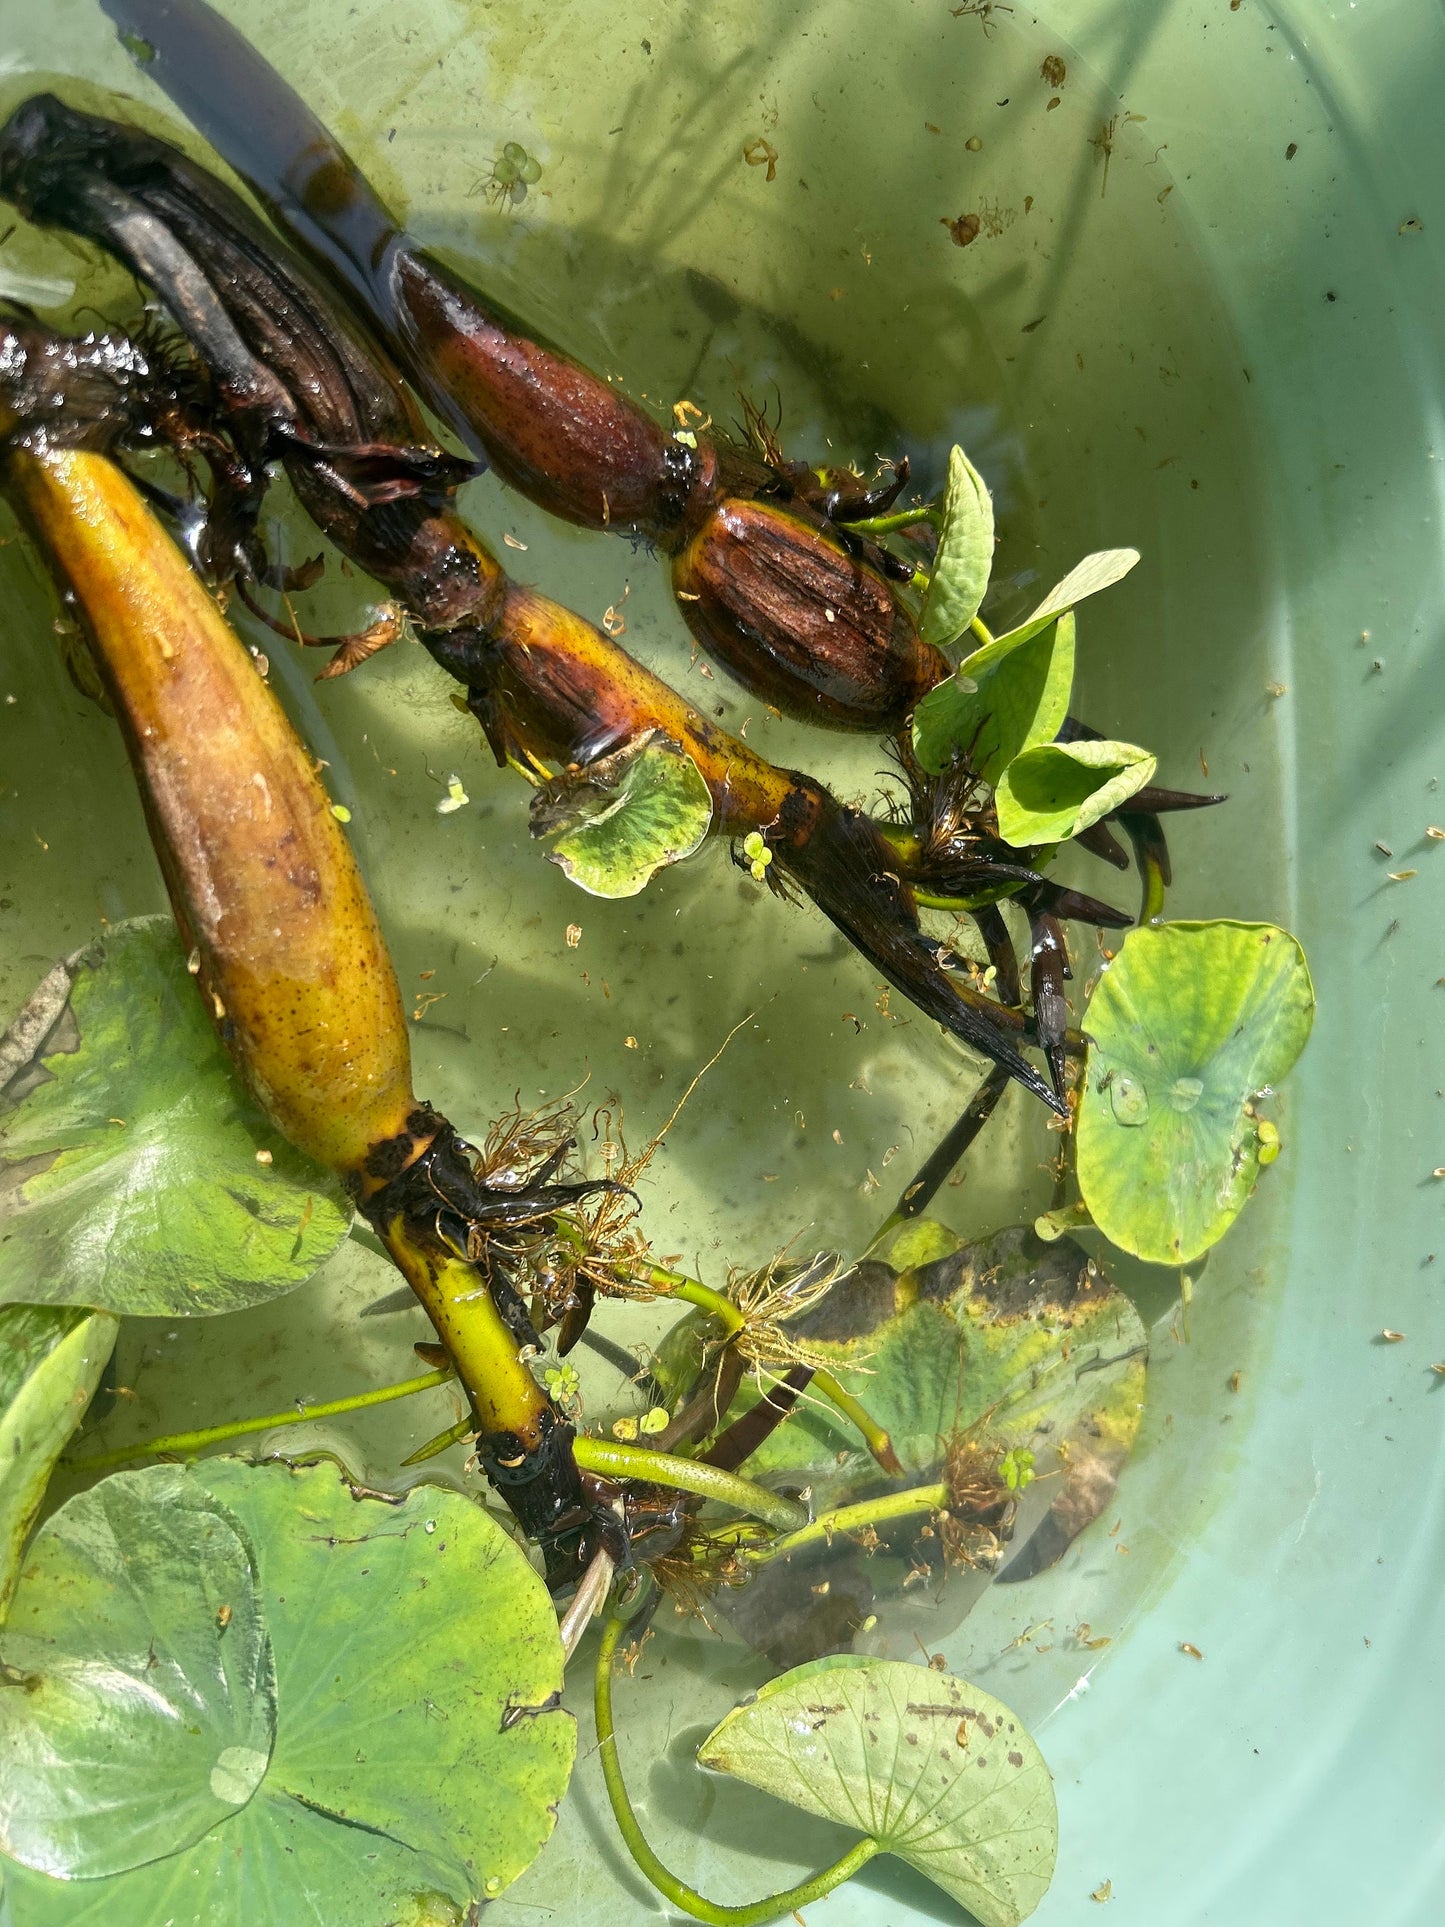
[(238, 1692)]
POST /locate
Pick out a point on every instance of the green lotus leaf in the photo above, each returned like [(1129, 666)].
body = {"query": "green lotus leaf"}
[(128, 1172), (938, 1772), (1053, 790), (1006, 697), (626, 817), (1014, 691), (139, 1697), (1187, 1025), (419, 1755), (964, 559), (299, 1867), (51, 1359)]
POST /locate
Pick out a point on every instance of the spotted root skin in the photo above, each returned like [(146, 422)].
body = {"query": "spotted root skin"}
[(782, 606), (264, 883)]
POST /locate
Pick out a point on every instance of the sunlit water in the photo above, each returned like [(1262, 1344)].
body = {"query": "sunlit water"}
[(1077, 349)]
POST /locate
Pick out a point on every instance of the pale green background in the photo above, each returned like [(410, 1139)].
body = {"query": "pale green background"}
[(1190, 387)]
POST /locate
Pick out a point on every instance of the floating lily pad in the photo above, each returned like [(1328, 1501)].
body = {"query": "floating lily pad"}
[(1187, 1025), (964, 558), (140, 1697), (128, 1172), (625, 817), (51, 1359), (1053, 790), (418, 1755), (1005, 697), (938, 1772)]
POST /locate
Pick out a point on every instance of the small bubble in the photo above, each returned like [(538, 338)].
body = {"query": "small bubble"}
[(1129, 1100), (1185, 1093)]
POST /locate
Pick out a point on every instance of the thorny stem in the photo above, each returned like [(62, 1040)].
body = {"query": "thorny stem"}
[(931, 900), (362, 1232), (875, 1437), (586, 1601), (753, 1913), (193, 1442), (689, 1475), (852, 1518), (674, 1284), (453, 1435)]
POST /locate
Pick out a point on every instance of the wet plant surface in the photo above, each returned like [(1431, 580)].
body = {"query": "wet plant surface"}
[(1004, 1372)]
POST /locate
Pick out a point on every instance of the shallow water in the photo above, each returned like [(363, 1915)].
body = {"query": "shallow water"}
[(1081, 353)]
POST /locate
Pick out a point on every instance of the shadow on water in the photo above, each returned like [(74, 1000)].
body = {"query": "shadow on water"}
[(1077, 347)]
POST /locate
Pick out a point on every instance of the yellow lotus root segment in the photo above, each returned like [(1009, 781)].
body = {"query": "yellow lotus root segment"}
[(262, 877)]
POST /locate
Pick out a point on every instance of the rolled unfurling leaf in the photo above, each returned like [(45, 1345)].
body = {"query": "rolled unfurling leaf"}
[(1006, 697), (1053, 790), (965, 554)]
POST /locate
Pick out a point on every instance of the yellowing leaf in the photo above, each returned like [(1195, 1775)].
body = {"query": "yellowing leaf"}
[(936, 1771)]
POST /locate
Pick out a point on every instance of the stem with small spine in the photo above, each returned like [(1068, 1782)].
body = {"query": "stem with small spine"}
[(690, 1475), (187, 1444), (674, 1284), (852, 1518)]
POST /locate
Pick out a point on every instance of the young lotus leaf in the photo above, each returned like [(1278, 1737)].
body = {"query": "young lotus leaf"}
[(936, 1771), (1054, 790), (1186, 1026), (51, 1359), (128, 1172), (919, 1242), (964, 559), (418, 1756), (1101, 570), (1006, 697), (626, 819), (1014, 691), (1009, 1341), (1068, 1217), (141, 1698)]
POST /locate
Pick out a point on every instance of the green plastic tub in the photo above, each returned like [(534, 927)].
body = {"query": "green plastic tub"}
[(1200, 314)]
